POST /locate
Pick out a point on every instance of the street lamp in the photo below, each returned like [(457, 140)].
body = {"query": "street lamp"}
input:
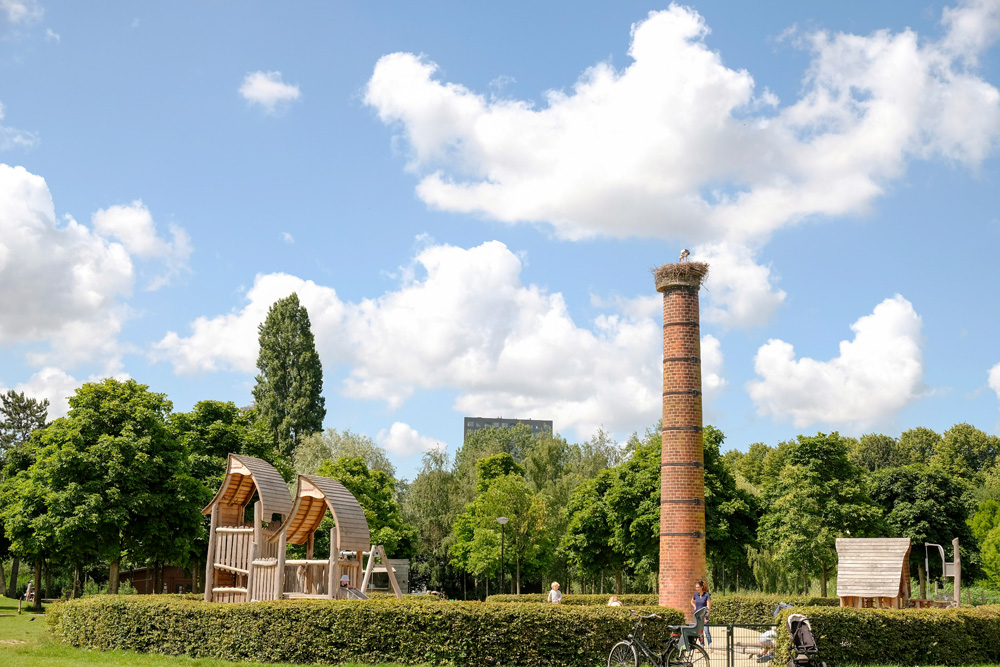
[(503, 522)]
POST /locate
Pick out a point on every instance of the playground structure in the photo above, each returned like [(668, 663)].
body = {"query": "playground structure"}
[(247, 557), (875, 573)]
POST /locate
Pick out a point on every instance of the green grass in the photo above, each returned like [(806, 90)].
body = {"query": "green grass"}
[(26, 641)]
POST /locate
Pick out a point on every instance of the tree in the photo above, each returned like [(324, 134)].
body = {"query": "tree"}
[(633, 503), (925, 504), (429, 506), (731, 514), (588, 534), (919, 443), (290, 383), (477, 544), (966, 451), (146, 494), (332, 444), (875, 451), (20, 416), (516, 441), (817, 497), (376, 493)]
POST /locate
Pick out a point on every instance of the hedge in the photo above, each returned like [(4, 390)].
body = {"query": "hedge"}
[(726, 609), (902, 636), (409, 631)]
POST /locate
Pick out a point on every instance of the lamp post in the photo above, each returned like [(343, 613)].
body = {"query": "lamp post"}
[(503, 522)]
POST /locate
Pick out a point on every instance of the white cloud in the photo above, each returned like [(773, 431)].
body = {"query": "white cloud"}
[(287, 238), (54, 384), (61, 283), (462, 319), (52, 36), (679, 146), (712, 381), (21, 11), (875, 375), (739, 290), (134, 227), (13, 138), (404, 440), (268, 90), (994, 379)]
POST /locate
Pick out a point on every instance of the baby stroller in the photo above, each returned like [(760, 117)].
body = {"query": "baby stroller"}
[(803, 642)]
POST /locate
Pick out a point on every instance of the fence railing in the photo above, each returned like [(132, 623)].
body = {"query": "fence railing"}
[(742, 645), (307, 578)]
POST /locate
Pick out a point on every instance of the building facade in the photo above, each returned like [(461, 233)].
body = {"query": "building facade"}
[(537, 426)]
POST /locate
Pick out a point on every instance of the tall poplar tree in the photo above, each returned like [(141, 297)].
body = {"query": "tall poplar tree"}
[(290, 384)]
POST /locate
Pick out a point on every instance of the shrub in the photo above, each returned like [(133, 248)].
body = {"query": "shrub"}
[(901, 636), (410, 631), (726, 609)]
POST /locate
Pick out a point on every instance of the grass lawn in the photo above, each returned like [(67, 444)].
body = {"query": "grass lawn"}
[(25, 641)]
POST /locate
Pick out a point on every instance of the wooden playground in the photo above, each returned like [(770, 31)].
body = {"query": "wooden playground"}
[(247, 554)]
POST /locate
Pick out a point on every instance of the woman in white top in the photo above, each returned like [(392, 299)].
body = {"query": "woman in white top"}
[(555, 597)]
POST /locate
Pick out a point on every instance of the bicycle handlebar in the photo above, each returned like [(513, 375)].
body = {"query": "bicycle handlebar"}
[(646, 616)]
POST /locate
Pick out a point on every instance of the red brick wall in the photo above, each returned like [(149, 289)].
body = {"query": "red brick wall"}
[(682, 556)]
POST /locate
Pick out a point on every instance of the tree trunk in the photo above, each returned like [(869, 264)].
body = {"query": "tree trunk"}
[(618, 582), (518, 576), (12, 587), (38, 585), (822, 580), (76, 581), (3, 581), (113, 576), (923, 581), (48, 580)]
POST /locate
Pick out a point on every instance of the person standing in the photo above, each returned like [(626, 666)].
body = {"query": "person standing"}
[(702, 599), (555, 597)]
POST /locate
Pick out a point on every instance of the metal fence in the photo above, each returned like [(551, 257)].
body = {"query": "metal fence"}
[(743, 645)]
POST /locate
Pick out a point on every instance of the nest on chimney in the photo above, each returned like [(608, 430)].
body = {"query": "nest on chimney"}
[(687, 273)]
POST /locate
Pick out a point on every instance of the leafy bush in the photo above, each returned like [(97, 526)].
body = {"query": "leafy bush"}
[(726, 609), (410, 631), (901, 636)]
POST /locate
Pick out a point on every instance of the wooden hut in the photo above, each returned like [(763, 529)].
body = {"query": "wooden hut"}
[(235, 542), (873, 572)]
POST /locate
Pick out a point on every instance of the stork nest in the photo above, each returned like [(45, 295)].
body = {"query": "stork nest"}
[(689, 273)]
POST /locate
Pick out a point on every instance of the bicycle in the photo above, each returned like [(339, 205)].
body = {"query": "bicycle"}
[(680, 650)]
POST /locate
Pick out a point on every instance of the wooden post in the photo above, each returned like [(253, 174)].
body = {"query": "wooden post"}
[(392, 575), (280, 576), (210, 559), (250, 569), (333, 569), (958, 574), (368, 569)]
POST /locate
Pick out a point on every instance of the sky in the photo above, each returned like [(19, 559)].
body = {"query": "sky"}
[(469, 198)]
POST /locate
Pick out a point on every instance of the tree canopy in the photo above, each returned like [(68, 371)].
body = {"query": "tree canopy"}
[(289, 388)]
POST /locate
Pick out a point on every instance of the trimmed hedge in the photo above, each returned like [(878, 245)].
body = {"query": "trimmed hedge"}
[(409, 631), (726, 609), (901, 636)]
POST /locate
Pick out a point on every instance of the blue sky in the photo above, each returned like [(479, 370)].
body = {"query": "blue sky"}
[(469, 198)]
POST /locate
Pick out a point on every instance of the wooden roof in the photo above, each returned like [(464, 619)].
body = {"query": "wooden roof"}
[(872, 567), (313, 497), (246, 474)]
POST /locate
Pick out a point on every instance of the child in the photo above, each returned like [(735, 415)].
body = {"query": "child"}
[(555, 597), (614, 602)]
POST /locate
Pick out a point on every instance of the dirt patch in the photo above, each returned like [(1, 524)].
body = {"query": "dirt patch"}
[(11, 642)]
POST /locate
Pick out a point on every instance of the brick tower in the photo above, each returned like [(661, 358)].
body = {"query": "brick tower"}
[(682, 461)]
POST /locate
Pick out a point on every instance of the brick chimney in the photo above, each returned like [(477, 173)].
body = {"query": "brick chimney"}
[(682, 462)]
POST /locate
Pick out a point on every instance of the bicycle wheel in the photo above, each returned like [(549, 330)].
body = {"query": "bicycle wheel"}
[(695, 656), (623, 654)]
